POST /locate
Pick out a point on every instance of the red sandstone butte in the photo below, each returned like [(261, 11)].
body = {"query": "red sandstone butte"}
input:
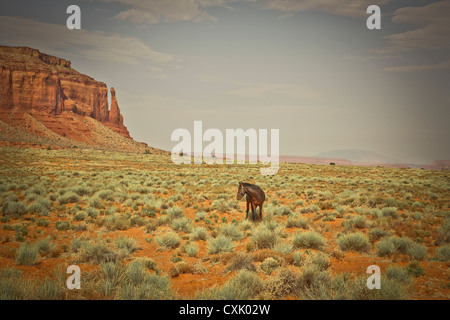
[(49, 90)]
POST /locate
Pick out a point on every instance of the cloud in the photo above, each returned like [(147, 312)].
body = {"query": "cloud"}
[(423, 67), (158, 73), (372, 57), (349, 8), (95, 45), (155, 11), (433, 30), (263, 90)]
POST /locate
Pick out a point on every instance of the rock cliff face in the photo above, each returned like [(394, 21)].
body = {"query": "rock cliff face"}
[(48, 89)]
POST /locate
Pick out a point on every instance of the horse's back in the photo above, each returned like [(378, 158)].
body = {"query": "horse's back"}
[(260, 191)]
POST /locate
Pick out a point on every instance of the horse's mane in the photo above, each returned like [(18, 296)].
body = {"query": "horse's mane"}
[(245, 184)]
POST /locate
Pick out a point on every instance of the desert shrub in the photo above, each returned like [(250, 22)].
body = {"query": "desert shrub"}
[(68, 197), (95, 202), (404, 245), (38, 207), (330, 216), (298, 258), (389, 212), (390, 290), (312, 278), (42, 222), (136, 272), (162, 220), (175, 212), (80, 216), (300, 222), (271, 224), (62, 225), (201, 215), (139, 284), (96, 253), (417, 251), (180, 267), (169, 240), (417, 215), (45, 246), (232, 231), (269, 265), (353, 241), (308, 239), (262, 237), (246, 225), (310, 209), (116, 222), (323, 287), (107, 195), (13, 208), (376, 213), (444, 231), (283, 283), (375, 234), (181, 224), (82, 190), (443, 253), (37, 189), (298, 202), (282, 211), (21, 230), (191, 250), (284, 247), (113, 273), (244, 285), (220, 244), (398, 273), (48, 290), (359, 222), (321, 260), (126, 245), (241, 261), (154, 205), (415, 269), (137, 221), (222, 205), (14, 287), (149, 264), (27, 254), (385, 247), (199, 233)]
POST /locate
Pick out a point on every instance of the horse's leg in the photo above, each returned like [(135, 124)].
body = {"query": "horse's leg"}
[(260, 211), (246, 215), (253, 212)]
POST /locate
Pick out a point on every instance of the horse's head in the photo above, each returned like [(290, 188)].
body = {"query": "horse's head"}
[(241, 191)]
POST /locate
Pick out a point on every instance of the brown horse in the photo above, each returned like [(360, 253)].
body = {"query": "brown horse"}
[(255, 197)]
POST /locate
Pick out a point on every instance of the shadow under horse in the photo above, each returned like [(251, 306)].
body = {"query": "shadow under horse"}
[(255, 198)]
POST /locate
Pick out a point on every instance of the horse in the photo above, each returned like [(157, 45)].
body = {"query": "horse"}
[(255, 197)]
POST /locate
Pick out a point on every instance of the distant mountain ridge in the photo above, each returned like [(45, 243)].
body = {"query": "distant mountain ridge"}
[(358, 156)]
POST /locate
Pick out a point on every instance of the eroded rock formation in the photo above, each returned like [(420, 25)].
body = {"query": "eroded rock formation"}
[(47, 88)]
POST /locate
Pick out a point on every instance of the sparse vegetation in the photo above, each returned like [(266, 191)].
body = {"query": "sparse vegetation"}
[(353, 241), (118, 214)]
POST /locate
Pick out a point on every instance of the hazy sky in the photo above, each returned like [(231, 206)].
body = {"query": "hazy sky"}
[(309, 68)]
